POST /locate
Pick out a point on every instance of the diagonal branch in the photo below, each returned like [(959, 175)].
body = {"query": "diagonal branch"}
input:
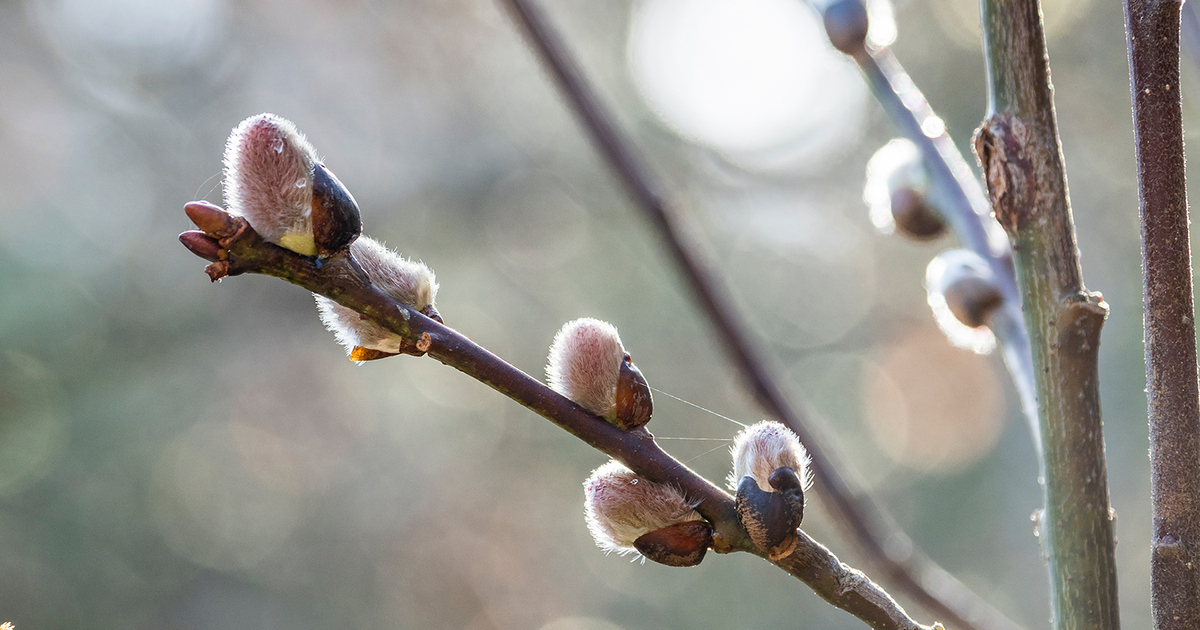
[(868, 527), (235, 248), (1174, 409)]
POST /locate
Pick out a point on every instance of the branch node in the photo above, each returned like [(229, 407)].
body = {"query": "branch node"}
[(1001, 145)]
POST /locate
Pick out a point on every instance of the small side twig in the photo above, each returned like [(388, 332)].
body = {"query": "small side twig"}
[(1153, 30), (868, 528), (235, 248)]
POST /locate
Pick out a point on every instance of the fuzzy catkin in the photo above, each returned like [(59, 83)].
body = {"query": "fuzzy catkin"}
[(410, 283), (620, 507), (584, 364), (761, 448), (268, 179)]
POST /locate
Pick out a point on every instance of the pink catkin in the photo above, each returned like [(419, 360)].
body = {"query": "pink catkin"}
[(411, 283), (620, 507), (268, 176), (584, 364)]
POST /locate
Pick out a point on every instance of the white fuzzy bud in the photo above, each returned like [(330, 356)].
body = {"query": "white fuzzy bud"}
[(963, 292), (761, 448), (269, 180), (585, 364), (620, 507), (895, 191), (410, 283)]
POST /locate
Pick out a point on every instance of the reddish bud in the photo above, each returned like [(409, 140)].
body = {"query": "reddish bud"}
[(211, 218), (201, 245)]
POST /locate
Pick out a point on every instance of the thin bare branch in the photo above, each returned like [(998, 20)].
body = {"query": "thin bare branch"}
[(1153, 29), (235, 248), (867, 526)]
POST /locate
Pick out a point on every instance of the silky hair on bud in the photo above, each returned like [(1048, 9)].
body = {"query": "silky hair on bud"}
[(761, 448), (620, 507), (585, 364), (269, 180), (410, 283)]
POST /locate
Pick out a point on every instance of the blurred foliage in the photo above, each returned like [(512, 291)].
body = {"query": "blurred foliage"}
[(175, 454)]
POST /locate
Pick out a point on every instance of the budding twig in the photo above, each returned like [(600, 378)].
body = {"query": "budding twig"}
[(862, 520), (338, 277)]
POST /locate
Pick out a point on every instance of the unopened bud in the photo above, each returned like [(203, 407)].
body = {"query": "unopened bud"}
[(201, 245), (588, 364), (895, 192), (212, 219), (846, 23), (963, 294), (274, 178), (410, 283), (627, 513), (770, 474)]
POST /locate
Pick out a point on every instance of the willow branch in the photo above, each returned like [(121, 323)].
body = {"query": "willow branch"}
[(868, 528), (1019, 151), (236, 248), (1153, 28)]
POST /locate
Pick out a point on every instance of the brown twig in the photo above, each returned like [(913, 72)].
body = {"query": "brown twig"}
[(235, 248), (862, 519), (1019, 151), (1153, 29)]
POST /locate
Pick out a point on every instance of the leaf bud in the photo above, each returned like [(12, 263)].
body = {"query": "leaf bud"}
[(588, 364), (895, 192), (410, 283), (627, 513), (201, 245), (963, 294), (846, 24), (212, 219), (274, 178)]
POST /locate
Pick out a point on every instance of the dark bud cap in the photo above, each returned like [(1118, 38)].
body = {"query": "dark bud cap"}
[(768, 517), (787, 483), (972, 299), (914, 218), (201, 245), (336, 220), (679, 545), (846, 24), (211, 218), (635, 404), (432, 313)]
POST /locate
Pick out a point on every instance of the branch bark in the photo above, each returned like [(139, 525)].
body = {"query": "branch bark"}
[(866, 524), (1153, 30), (1019, 151), (235, 248)]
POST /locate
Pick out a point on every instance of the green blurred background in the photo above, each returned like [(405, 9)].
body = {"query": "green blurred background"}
[(180, 454)]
